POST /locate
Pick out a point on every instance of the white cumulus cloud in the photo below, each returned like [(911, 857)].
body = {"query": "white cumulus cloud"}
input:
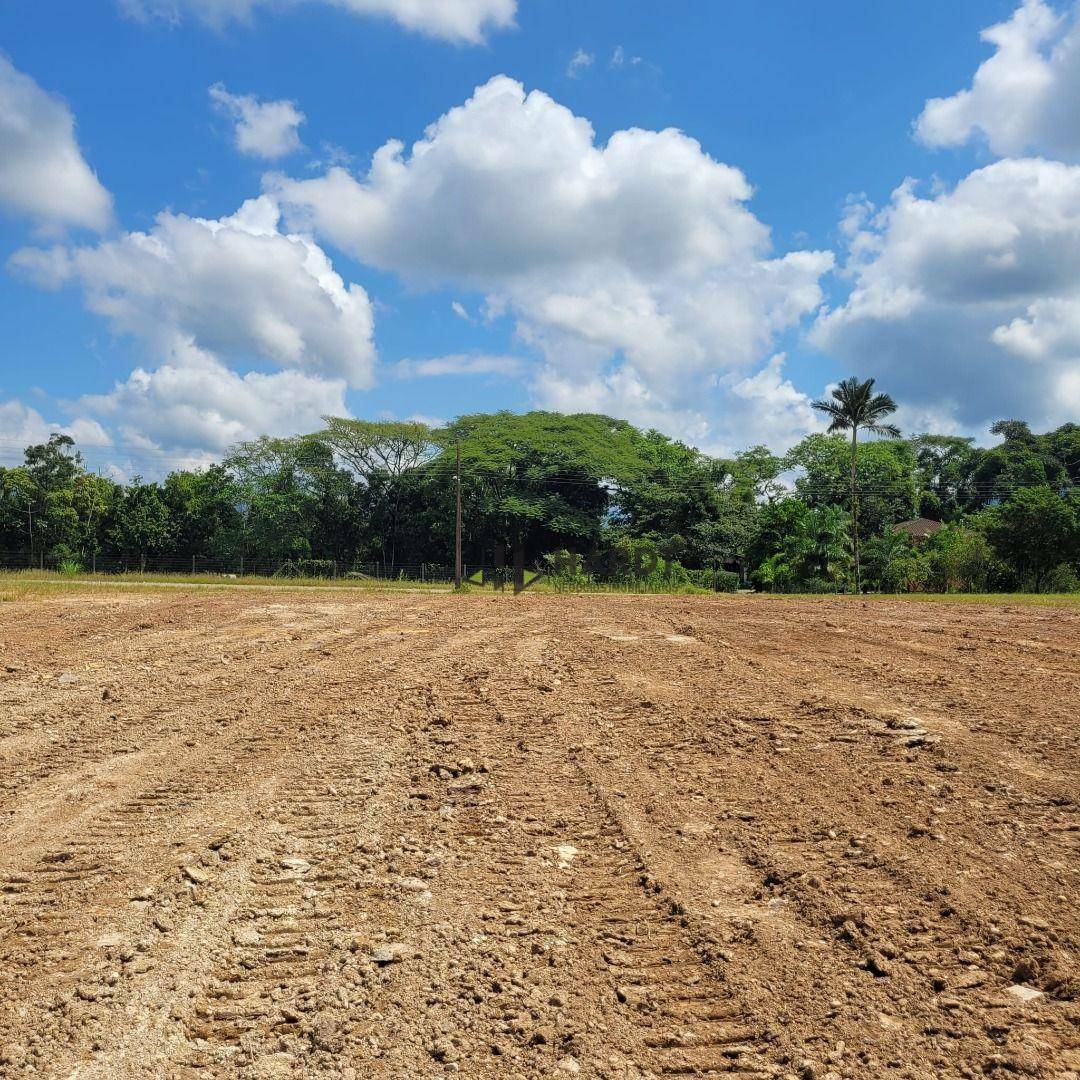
[(194, 403), (639, 255), (22, 426), (266, 129), (463, 21), (237, 287), (967, 301), (1025, 97), (43, 174), (761, 407)]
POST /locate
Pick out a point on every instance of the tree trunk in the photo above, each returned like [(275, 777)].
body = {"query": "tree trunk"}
[(855, 507)]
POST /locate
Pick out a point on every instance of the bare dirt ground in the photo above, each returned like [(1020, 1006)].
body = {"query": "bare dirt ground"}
[(303, 835)]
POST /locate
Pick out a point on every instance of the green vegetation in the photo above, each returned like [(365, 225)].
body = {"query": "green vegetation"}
[(593, 502), (857, 408), (1069, 600), (42, 581)]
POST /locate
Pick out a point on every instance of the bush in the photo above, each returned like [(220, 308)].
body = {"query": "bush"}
[(630, 564), (774, 575), (717, 580), (298, 568), (910, 572), (69, 567), (1063, 578), (960, 560), (566, 572), (823, 586)]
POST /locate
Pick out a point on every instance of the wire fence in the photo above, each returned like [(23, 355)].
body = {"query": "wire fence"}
[(226, 566), (569, 575)]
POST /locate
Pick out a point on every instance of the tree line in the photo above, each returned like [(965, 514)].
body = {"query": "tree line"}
[(630, 504)]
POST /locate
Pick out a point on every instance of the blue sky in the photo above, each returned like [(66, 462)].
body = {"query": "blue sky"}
[(812, 104)]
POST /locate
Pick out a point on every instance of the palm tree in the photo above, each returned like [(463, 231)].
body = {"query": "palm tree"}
[(856, 407)]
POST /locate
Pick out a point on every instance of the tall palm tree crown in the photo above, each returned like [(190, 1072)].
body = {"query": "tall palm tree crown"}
[(855, 407)]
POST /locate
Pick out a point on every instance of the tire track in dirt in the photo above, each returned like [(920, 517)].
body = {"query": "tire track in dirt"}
[(612, 979), (121, 857), (287, 947), (274, 991), (86, 718), (532, 837), (843, 884)]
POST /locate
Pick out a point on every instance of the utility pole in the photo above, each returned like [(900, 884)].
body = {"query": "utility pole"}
[(30, 518), (457, 524)]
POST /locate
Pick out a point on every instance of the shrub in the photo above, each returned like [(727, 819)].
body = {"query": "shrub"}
[(717, 580), (774, 575), (69, 567), (566, 572), (630, 564), (297, 568), (822, 585), (960, 560), (909, 572), (1063, 578)]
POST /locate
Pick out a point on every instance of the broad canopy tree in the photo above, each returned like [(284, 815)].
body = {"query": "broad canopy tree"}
[(363, 492)]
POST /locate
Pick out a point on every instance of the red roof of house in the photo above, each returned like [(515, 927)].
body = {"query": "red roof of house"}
[(920, 528)]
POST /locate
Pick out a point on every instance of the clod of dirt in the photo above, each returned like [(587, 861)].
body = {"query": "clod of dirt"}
[(444, 1050), (390, 954), (566, 853), (696, 829)]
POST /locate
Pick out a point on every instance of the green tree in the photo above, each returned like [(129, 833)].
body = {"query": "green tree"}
[(295, 500), (1036, 530), (855, 407), (20, 502), (961, 559), (204, 510), (822, 546), (38, 495), (53, 465), (889, 557), (380, 454), (1063, 445), (92, 499), (756, 472), (803, 547), (140, 522), (1021, 460), (945, 468), (678, 491), (536, 482), (887, 478), (371, 448)]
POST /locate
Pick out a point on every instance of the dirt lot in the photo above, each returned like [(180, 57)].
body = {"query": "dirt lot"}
[(323, 835)]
